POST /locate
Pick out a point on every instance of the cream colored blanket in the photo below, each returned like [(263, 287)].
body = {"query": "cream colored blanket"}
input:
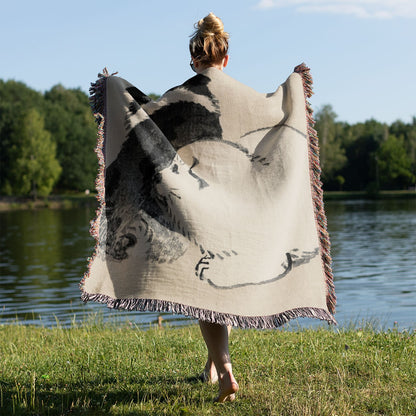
[(211, 204)]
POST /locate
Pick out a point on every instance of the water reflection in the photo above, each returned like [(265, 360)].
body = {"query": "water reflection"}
[(43, 257)]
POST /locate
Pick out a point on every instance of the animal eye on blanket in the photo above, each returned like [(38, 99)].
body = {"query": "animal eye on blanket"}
[(202, 182)]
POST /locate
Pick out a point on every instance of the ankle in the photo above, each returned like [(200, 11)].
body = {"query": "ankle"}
[(227, 378), (226, 372)]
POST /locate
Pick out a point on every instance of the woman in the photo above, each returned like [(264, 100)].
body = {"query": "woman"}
[(211, 203), (209, 48)]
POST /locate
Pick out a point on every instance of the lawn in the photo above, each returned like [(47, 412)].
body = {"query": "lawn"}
[(108, 369)]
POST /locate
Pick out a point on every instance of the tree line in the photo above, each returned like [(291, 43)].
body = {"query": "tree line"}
[(368, 156), (47, 143), (47, 140)]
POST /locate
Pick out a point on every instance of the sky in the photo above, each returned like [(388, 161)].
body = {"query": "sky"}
[(362, 53)]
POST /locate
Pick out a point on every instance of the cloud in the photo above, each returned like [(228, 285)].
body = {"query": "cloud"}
[(364, 9)]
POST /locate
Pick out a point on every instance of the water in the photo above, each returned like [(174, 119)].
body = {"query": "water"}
[(43, 257), (374, 260)]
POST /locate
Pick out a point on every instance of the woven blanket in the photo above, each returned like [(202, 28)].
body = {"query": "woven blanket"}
[(210, 202)]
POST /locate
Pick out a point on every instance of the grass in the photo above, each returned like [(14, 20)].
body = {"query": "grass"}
[(103, 369)]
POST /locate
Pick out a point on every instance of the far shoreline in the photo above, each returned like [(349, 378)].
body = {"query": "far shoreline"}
[(76, 200), (348, 195), (54, 201)]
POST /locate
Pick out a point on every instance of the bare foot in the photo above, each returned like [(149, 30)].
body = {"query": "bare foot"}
[(228, 388), (209, 374)]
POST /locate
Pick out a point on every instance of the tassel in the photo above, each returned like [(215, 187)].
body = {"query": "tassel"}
[(317, 193), (258, 322)]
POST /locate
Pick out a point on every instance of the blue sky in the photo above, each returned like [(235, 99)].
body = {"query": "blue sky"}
[(362, 53)]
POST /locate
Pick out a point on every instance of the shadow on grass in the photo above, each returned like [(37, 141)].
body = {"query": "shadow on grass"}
[(98, 397)]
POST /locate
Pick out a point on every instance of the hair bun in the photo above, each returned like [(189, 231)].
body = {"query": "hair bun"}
[(211, 25)]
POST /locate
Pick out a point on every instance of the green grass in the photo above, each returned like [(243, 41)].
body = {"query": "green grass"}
[(104, 369)]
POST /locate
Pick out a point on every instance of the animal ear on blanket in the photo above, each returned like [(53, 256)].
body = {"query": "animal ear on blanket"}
[(211, 202)]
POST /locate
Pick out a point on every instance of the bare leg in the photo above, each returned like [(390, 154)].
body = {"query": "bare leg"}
[(216, 339), (210, 374)]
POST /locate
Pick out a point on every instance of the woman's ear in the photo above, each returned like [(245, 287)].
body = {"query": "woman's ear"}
[(225, 61)]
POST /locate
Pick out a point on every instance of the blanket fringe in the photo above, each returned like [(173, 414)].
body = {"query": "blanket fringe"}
[(259, 322), (317, 192), (97, 104)]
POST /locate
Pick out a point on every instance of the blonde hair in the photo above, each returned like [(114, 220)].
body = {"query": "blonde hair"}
[(209, 42)]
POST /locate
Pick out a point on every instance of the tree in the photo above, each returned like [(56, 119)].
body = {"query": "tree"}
[(394, 164), (71, 123), (332, 154), (153, 96), (34, 169), (362, 141), (15, 99), (408, 133)]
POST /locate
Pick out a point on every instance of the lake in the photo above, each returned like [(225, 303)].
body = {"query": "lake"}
[(43, 257)]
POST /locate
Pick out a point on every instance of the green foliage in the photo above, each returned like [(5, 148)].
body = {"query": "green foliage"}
[(15, 100), (367, 156), (18, 93), (408, 133), (332, 154), (71, 123), (360, 171), (153, 96), (34, 168), (72, 133), (340, 180), (99, 369), (394, 163)]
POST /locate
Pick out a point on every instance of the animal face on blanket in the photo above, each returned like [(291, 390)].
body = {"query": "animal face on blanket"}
[(209, 206)]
